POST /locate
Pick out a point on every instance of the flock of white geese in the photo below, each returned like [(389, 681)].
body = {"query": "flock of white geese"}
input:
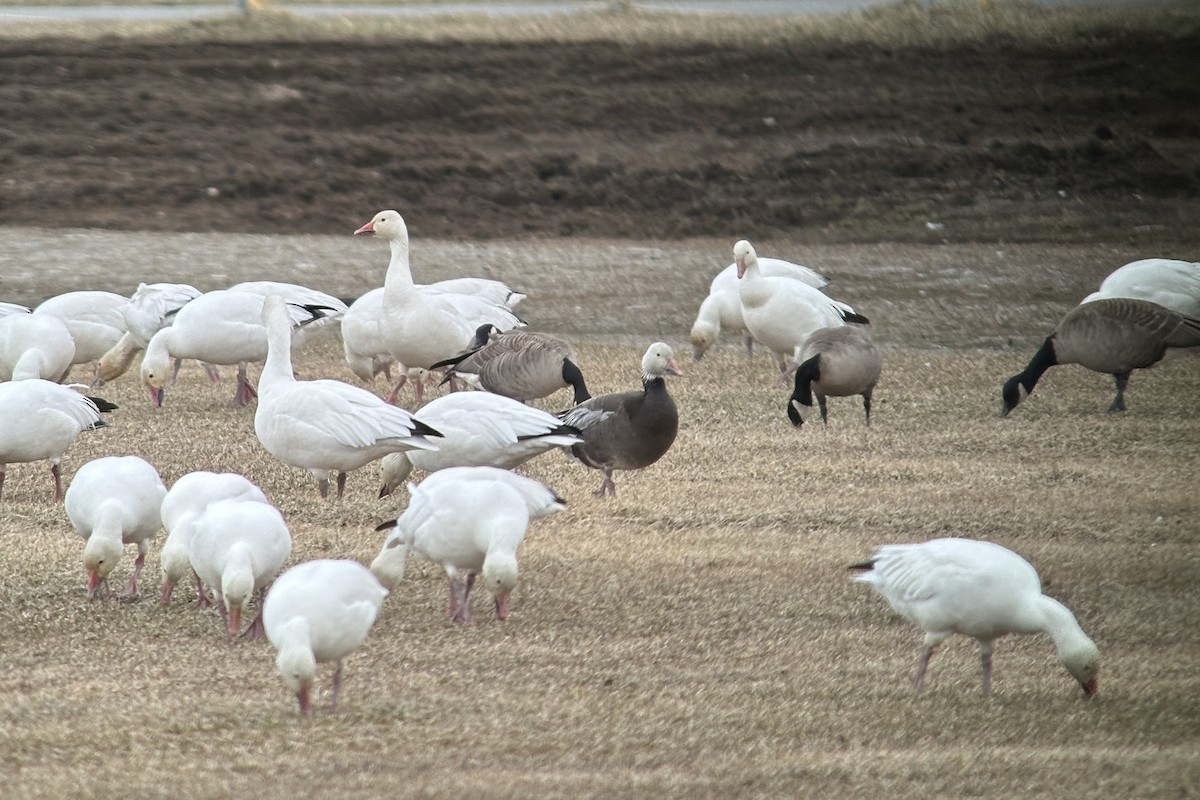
[(471, 512)]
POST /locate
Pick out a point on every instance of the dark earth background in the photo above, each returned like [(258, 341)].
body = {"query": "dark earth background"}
[(1097, 140)]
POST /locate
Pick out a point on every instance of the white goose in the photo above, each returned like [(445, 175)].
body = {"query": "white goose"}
[(780, 312), (333, 310), (51, 416), (976, 589), (186, 500), (317, 612), (236, 547), (479, 429), (365, 351), (1170, 283), (112, 502), (147, 311), (7, 309), (467, 519), (325, 426), (35, 346), (221, 327), (94, 320), (420, 328), (722, 309)]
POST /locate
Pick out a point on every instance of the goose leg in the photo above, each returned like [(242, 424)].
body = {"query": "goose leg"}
[(256, 629), (245, 392), (337, 686), (749, 346), (341, 484), (607, 486), (323, 487), (131, 588), (202, 600), (458, 598), (1118, 403), (867, 406), (56, 473), (391, 398), (985, 656), (922, 665), (824, 409)]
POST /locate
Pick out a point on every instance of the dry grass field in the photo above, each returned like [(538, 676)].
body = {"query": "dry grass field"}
[(696, 636)]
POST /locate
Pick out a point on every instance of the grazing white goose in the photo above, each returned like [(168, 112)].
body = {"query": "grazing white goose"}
[(147, 311), (35, 346), (236, 547), (782, 313), (51, 416), (325, 426), (420, 328), (628, 430), (13, 308), (317, 612), (1170, 283), (976, 589), (479, 429), (1111, 335), (186, 500), (837, 362), (722, 309), (467, 519), (221, 327), (94, 320), (111, 502), (333, 310), (523, 365)]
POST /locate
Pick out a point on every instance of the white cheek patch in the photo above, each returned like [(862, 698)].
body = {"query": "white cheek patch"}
[(803, 410)]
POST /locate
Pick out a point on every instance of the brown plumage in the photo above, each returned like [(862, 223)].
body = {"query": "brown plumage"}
[(628, 430), (1115, 336), (835, 362), (523, 365)]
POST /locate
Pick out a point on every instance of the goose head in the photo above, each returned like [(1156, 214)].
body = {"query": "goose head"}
[(744, 256), (156, 366), (1083, 662), (298, 668), (100, 556), (658, 361), (704, 335), (237, 584), (500, 577), (386, 224)]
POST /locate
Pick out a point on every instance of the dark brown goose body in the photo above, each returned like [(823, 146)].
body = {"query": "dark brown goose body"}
[(627, 430), (1114, 336)]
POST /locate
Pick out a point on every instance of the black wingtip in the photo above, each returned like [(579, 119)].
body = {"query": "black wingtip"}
[(863, 566), (102, 404), (852, 316), (383, 526)]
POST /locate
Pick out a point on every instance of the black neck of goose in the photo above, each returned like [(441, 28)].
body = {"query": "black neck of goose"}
[(1042, 360), (655, 383), (574, 378), (806, 373)]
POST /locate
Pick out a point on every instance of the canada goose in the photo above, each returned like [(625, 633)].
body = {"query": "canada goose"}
[(835, 362), (780, 312), (1115, 336), (522, 365), (317, 612), (975, 589), (628, 430)]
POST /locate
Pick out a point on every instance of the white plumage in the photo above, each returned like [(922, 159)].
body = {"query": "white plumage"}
[(147, 311), (325, 426), (781, 312), (236, 547), (976, 589), (721, 310), (1168, 282), (35, 346), (51, 417), (111, 502), (317, 612), (93, 319), (421, 328), (479, 429), (186, 500), (469, 520)]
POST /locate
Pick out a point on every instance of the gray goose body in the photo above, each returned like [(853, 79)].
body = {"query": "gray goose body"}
[(628, 430), (1115, 336), (522, 365), (835, 362)]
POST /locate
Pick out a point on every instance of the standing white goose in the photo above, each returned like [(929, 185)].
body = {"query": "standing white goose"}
[(186, 500), (325, 426), (365, 351), (111, 502), (317, 612), (221, 327), (35, 346), (1111, 335), (420, 328), (479, 429), (51, 416), (467, 519), (236, 548), (628, 430), (836, 362), (147, 311), (782, 313), (93, 319), (1170, 283), (722, 309), (976, 589)]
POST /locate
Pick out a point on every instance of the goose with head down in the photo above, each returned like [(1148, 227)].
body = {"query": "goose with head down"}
[(522, 365)]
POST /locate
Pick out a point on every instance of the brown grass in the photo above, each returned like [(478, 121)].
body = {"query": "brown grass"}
[(695, 637)]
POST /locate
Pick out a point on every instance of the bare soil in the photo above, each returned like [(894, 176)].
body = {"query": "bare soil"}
[(1097, 138)]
